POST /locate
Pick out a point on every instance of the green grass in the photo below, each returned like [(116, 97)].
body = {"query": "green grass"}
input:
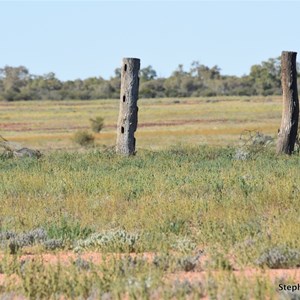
[(173, 201), (176, 200), (200, 193)]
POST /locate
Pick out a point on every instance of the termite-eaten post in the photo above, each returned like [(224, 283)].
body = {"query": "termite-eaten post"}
[(128, 113), (290, 112)]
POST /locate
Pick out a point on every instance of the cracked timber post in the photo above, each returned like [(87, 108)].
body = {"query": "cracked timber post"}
[(128, 113), (290, 112)]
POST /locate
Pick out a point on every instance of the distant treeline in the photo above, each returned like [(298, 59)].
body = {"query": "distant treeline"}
[(16, 83)]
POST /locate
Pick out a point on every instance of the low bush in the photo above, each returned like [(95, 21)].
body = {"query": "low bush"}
[(279, 257), (97, 124), (117, 240), (83, 138), (253, 143), (16, 241)]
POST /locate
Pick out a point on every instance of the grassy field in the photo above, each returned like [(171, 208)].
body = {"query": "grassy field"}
[(162, 122), (173, 222)]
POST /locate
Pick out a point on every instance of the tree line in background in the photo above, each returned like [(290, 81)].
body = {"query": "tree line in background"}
[(16, 83)]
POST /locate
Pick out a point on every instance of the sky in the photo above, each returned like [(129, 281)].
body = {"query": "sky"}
[(81, 39)]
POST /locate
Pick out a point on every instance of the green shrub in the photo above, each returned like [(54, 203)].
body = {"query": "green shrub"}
[(68, 230), (97, 124), (83, 138)]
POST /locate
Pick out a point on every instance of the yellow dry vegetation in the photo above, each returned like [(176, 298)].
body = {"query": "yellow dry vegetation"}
[(162, 122)]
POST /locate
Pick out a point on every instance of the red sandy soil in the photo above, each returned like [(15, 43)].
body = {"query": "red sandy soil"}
[(193, 276), (272, 274), (199, 275), (33, 127)]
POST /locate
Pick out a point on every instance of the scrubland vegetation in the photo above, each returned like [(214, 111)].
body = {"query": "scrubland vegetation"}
[(16, 83), (180, 221)]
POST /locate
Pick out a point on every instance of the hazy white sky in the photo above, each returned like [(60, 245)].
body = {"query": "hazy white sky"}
[(79, 39)]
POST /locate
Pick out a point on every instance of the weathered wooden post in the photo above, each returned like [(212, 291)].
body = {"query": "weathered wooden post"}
[(290, 111), (128, 113)]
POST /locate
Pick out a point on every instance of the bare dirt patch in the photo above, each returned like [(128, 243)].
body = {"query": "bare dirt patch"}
[(38, 127), (272, 274), (199, 274)]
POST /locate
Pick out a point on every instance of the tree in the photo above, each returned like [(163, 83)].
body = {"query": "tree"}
[(266, 77), (152, 88), (147, 74), (13, 79), (16, 83), (203, 72)]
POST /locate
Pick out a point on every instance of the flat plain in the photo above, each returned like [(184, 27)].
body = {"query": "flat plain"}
[(195, 214), (162, 122)]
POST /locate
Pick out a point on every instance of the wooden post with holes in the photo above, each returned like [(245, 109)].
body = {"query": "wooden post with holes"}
[(290, 112), (128, 113)]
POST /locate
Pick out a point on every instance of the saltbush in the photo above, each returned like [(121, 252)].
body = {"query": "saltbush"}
[(116, 240), (279, 257), (16, 241)]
